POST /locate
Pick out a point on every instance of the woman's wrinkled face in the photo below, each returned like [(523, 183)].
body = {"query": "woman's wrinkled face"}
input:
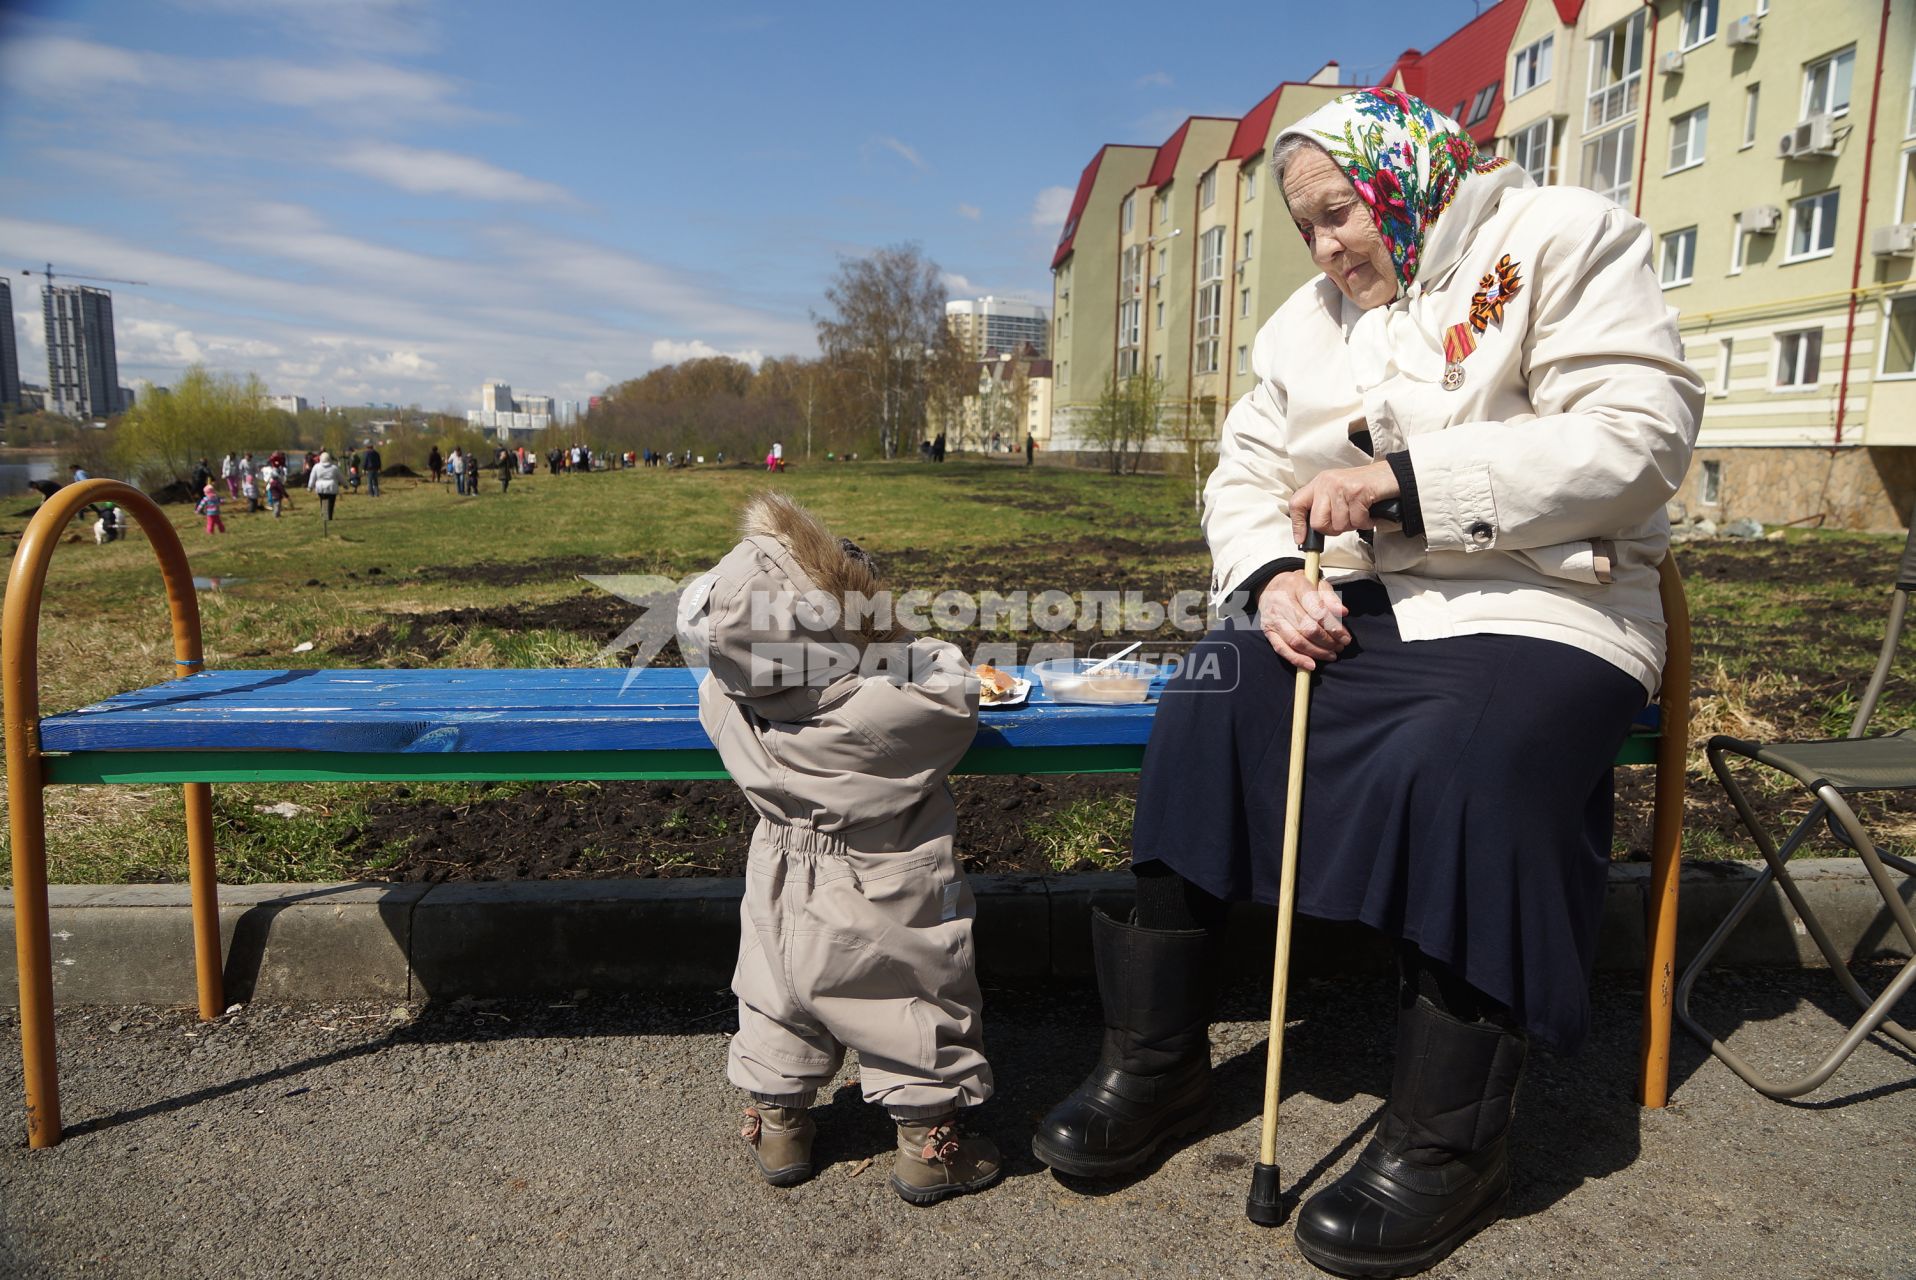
[(1341, 232)]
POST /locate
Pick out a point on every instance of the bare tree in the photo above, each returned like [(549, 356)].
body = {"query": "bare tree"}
[(1127, 416), (885, 326)]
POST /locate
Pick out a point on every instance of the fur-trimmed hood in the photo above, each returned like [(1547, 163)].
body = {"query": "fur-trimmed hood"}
[(785, 617)]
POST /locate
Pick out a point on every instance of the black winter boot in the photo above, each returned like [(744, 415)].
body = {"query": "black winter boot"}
[(1436, 1172), (1153, 1079)]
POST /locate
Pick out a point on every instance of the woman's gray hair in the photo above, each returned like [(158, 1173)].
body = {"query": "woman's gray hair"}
[(1283, 150)]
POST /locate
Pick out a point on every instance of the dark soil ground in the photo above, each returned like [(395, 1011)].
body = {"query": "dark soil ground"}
[(568, 830)]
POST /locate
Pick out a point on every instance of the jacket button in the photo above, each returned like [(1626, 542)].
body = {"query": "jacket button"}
[(1480, 533)]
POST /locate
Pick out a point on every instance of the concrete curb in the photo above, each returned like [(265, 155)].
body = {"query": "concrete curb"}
[(132, 944)]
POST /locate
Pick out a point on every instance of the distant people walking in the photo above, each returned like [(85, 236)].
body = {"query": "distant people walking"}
[(275, 477), (229, 472), (324, 482), (435, 464), (1031, 446), (456, 468), (202, 475), (79, 473), (504, 461), (249, 489), (209, 507), (373, 462), (938, 448)]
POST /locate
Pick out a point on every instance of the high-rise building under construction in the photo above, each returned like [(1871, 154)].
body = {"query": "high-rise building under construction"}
[(83, 369)]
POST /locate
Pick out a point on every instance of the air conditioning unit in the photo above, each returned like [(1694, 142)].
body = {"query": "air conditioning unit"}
[(1816, 136), (1897, 240), (1671, 63), (1157, 279), (1760, 220), (1743, 30)]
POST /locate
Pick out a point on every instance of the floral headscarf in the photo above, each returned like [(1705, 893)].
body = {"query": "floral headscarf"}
[(1408, 164)]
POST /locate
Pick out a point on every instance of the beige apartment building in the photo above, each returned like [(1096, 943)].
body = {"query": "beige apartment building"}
[(1772, 150)]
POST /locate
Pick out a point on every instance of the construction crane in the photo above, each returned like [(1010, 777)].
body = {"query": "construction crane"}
[(46, 277)]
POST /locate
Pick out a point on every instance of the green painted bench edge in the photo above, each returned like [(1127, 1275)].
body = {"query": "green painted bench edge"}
[(123, 767)]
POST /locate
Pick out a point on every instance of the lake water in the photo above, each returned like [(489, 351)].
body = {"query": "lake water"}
[(19, 469)]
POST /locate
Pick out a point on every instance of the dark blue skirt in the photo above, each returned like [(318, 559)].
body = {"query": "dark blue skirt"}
[(1457, 795)]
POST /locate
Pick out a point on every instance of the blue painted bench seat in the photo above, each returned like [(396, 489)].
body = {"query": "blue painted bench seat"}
[(338, 725)]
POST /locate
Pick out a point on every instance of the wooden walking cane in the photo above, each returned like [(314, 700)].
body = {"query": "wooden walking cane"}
[(1265, 1204)]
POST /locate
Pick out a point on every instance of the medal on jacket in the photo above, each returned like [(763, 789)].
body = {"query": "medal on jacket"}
[(1459, 342)]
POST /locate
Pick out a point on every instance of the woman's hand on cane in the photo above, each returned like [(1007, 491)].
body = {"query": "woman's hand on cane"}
[(1340, 500), (1303, 622)]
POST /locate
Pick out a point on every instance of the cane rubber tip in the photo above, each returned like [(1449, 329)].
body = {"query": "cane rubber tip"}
[(1265, 1205)]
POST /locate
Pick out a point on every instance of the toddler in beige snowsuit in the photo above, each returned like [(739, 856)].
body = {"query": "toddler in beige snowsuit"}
[(856, 923)]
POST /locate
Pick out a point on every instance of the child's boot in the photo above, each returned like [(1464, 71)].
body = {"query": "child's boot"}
[(781, 1139), (937, 1160)]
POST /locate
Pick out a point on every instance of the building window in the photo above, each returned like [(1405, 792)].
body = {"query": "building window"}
[(1616, 74), (1157, 366), (1207, 188), (1457, 112), (1737, 241), (1686, 138), (1532, 66), (1244, 302), (1710, 488), (1799, 357), (1210, 299), (1679, 257), (1749, 117), (1125, 212), (1608, 160), (1160, 319), (1534, 151), (1481, 104), (1163, 257), (1762, 8), (1826, 84), (1899, 336), (1243, 360), (1250, 183), (1909, 130), (1699, 22), (1130, 309), (1906, 192), (1248, 242), (1724, 347), (1812, 227)]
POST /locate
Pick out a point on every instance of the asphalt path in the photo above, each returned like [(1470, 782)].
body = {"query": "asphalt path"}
[(597, 1137)]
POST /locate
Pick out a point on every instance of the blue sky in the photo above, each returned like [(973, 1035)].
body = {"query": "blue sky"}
[(392, 200)]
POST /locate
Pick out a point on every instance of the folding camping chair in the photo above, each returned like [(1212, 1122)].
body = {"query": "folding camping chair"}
[(1828, 770)]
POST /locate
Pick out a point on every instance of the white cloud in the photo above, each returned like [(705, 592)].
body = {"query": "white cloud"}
[(910, 154), (955, 283), (427, 172), (1051, 208), (63, 67), (392, 26), (971, 211), (671, 351), (1153, 80), (401, 365)]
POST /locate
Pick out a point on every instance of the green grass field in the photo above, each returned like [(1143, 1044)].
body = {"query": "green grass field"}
[(1786, 630)]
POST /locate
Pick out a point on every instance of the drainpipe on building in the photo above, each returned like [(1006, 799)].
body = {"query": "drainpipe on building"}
[(1862, 224), (1228, 303), (1649, 81)]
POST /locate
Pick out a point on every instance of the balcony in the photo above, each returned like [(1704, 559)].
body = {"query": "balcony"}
[(1618, 102)]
